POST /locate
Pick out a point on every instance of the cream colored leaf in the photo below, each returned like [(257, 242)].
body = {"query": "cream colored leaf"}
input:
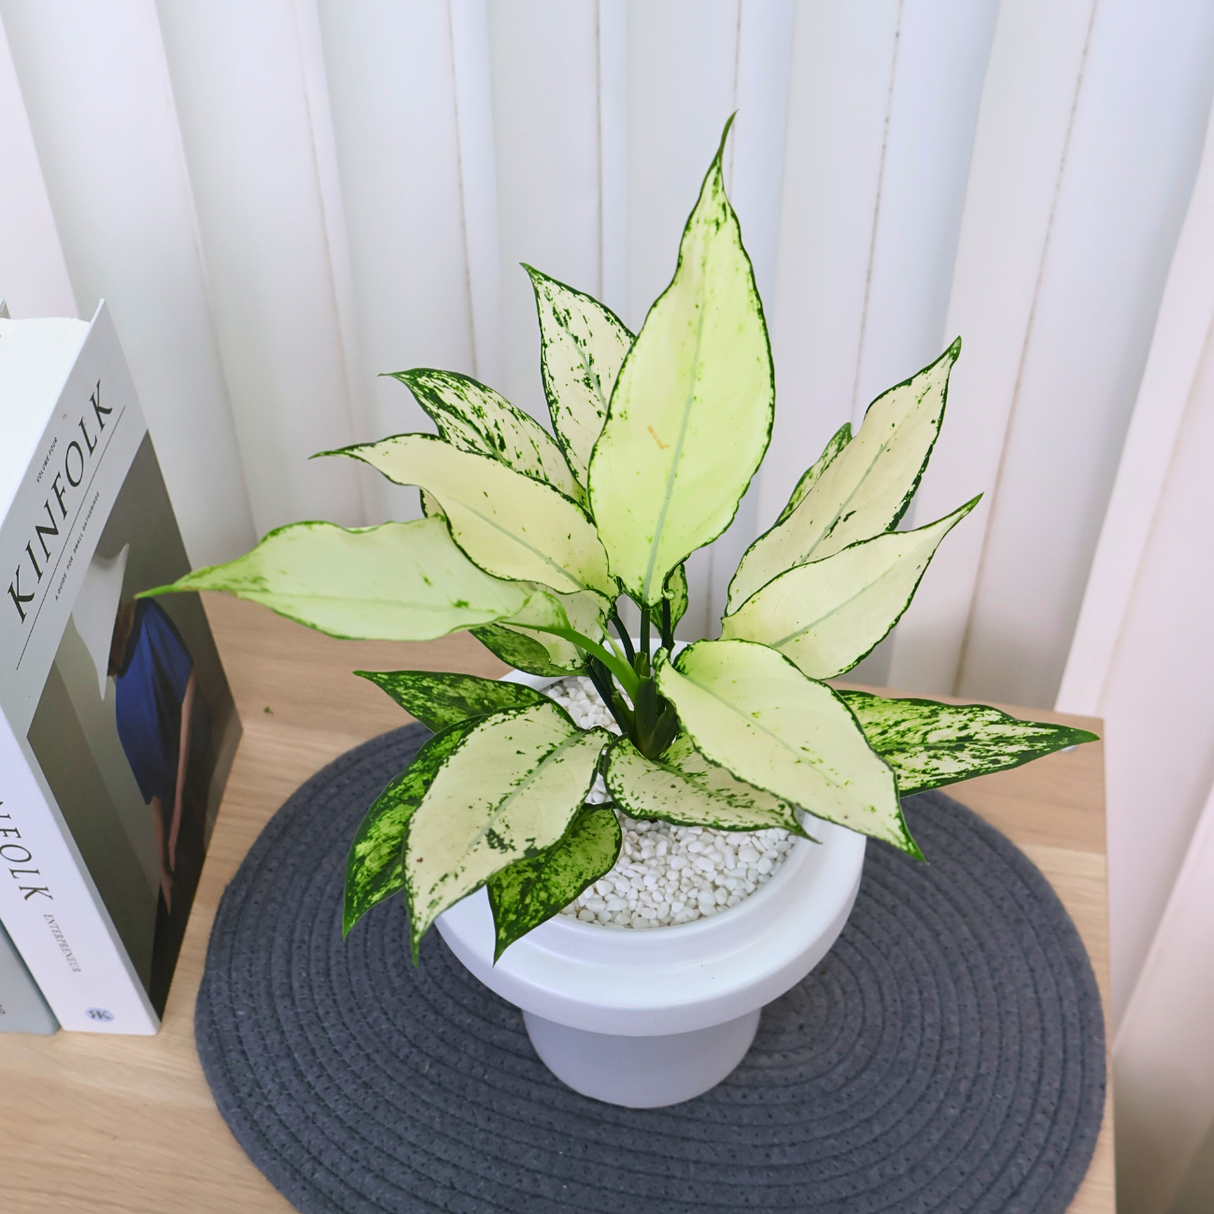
[(396, 582), (509, 524), (749, 709), (838, 441), (582, 346), (691, 413), (864, 490), (473, 417), (683, 787), (508, 791), (828, 614)]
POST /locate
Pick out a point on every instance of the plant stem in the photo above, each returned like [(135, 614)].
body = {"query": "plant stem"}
[(625, 639), (645, 632), (618, 667), (667, 630), (601, 678)]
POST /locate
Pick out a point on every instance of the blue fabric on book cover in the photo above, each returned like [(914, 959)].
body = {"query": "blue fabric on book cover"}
[(947, 1056), (148, 694)]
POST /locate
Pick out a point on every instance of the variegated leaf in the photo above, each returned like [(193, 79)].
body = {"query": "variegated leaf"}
[(840, 439), (473, 417), (691, 413), (676, 591), (374, 866), (439, 699), (506, 793), (929, 744), (529, 892), (544, 652), (864, 490), (529, 651), (396, 582), (508, 523), (582, 345), (750, 710), (828, 614), (683, 787)]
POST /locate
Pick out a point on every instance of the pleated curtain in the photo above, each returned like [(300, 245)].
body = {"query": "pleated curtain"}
[(281, 200)]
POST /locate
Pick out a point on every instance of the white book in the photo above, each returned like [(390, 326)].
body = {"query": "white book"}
[(117, 728), (22, 1007)]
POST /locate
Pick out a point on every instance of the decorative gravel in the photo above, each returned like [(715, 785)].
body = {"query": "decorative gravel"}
[(666, 875)]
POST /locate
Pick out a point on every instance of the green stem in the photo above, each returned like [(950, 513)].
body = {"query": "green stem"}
[(618, 667), (667, 630), (625, 639), (645, 632), (601, 678)]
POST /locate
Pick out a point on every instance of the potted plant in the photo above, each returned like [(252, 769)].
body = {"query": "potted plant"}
[(531, 539)]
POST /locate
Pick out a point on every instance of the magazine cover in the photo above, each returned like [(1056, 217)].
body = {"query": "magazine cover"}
[(119, 707)]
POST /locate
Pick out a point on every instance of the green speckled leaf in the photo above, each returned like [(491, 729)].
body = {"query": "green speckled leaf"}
[(828, 614), (507, 792), (840, 440), (529, 651), (529, 892), (511, 525), (683, 787), (864, 490), (543, 652), (396, 582), (691, 414), (374, 867), (473, 417), (582, 345), (929, 744), (438, 699), (750, 710)]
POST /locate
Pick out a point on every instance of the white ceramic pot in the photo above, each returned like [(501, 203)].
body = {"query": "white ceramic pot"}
[(654, 1016)]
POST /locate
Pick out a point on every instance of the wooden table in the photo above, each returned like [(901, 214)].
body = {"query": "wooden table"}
[(128, 1124)]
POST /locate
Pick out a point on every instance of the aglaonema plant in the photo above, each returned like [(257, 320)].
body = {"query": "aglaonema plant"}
[(531, 539)]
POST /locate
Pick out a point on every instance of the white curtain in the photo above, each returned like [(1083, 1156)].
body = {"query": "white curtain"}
[(281, 200)]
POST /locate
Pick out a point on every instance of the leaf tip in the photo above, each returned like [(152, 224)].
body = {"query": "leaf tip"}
[(171, 588), (724, 136)]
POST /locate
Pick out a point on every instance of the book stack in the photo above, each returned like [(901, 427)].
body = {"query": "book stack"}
[(117, 728)]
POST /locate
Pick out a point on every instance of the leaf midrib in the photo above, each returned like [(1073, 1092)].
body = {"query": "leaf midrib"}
[(503, 806), (522, 543), (840, 606), (675, 459), (763, 729)]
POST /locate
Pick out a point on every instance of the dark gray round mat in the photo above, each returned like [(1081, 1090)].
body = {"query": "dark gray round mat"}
[(948, 1055)]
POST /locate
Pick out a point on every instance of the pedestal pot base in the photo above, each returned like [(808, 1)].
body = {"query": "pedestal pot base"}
[(642, 1072)]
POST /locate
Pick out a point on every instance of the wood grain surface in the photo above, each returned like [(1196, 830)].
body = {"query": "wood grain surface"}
[(127, 1124)]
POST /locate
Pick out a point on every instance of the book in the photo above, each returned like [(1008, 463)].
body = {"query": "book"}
[(22, 1007), (117, 727)]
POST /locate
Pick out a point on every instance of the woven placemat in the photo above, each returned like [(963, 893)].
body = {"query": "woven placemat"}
[(947, 1055)]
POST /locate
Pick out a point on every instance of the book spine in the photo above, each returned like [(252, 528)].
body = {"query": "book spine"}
[(22, 1007), (53, 913)]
